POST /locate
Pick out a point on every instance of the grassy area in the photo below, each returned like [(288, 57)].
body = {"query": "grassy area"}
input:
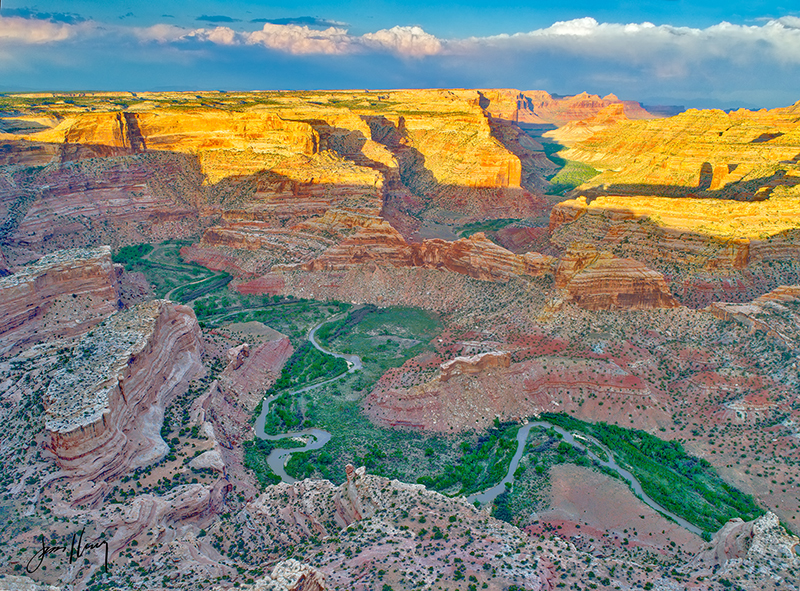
[(486, 226), (306, 366), (289, 316), (382, 337), (572, 175), (386, 338), (163, 266), (256, 453), (483, 463), (686, 485)]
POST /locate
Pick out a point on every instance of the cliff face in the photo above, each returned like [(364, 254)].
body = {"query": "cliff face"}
[(711, 189), (540, 107), (62, 294), (599, 281), (467, 393), (105, 407), (476, 256)]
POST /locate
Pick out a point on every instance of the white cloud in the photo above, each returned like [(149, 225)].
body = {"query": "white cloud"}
[(647, 43), (410, 41), (300, 39), (34, 31)]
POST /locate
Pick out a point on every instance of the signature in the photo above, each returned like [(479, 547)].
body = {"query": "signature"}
[(77, 549)]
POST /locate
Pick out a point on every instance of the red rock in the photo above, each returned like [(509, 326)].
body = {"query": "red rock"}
[(62, 294), (253, 369), (105, 406), (476, 256)]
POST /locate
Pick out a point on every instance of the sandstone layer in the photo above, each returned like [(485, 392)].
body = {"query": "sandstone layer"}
[(476, 256), (105, 407), (599, 281), (468, 393), (62, 294), (540, 107)]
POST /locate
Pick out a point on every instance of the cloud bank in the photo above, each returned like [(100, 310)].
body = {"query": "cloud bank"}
[(724, 59), (634, 43)]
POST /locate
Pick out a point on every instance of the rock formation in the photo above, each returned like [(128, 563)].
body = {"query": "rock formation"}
[(474, 364), (575, 131), (468, 393), (600, 281), (749, 547), (540, 107), (290, 575), (62, 294), (105, 407), (253, 369), (476, 256), (774, 313)]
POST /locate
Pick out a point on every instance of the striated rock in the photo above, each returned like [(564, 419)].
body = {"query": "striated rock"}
[(62, 294), (253, 369), (750, 547), (599, 281), (540, 107), (458, 401), (159, 514), (474, 364), (774, 313), (105, 406), (575, 131), (290, 575), (476, 256)]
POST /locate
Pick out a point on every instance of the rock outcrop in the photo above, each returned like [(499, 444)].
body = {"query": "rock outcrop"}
[(105, 407), (62, 294), (575, 131), (750, 547), (599, 281), (474, 364), (540, 107), (290, 575), (476, 256), (465, 396), (253, 369), (775, 313)]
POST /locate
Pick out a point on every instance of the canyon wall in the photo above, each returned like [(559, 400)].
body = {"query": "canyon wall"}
[(62, 294), (105, 407)]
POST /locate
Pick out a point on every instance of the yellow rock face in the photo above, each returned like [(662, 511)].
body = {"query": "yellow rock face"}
[(704, 189)]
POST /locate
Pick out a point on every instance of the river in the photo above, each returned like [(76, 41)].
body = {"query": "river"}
[(317, 438)]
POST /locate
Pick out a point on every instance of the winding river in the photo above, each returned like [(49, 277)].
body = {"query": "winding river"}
[(314, 438), (317, 438)]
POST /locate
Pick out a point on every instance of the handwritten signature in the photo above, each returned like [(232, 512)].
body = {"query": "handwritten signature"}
[(76, 550)]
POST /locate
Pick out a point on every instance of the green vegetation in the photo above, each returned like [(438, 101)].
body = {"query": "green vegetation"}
[(382, 337), (572, 175), (482, 464), (306, 366), (165, 270), (128, 255), (486, 226), (683, 484), (256, 453), (385, 338)]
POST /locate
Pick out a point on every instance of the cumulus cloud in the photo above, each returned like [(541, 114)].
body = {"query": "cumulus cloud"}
[(17, 30), (300, 39), (411, 41), (639, 43)]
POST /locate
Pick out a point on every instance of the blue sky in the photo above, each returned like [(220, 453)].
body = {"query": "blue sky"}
[(687, 52)]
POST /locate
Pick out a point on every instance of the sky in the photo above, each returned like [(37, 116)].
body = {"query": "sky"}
[(673, 52)]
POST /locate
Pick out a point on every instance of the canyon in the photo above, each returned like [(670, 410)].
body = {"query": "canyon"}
[(488, 254)]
